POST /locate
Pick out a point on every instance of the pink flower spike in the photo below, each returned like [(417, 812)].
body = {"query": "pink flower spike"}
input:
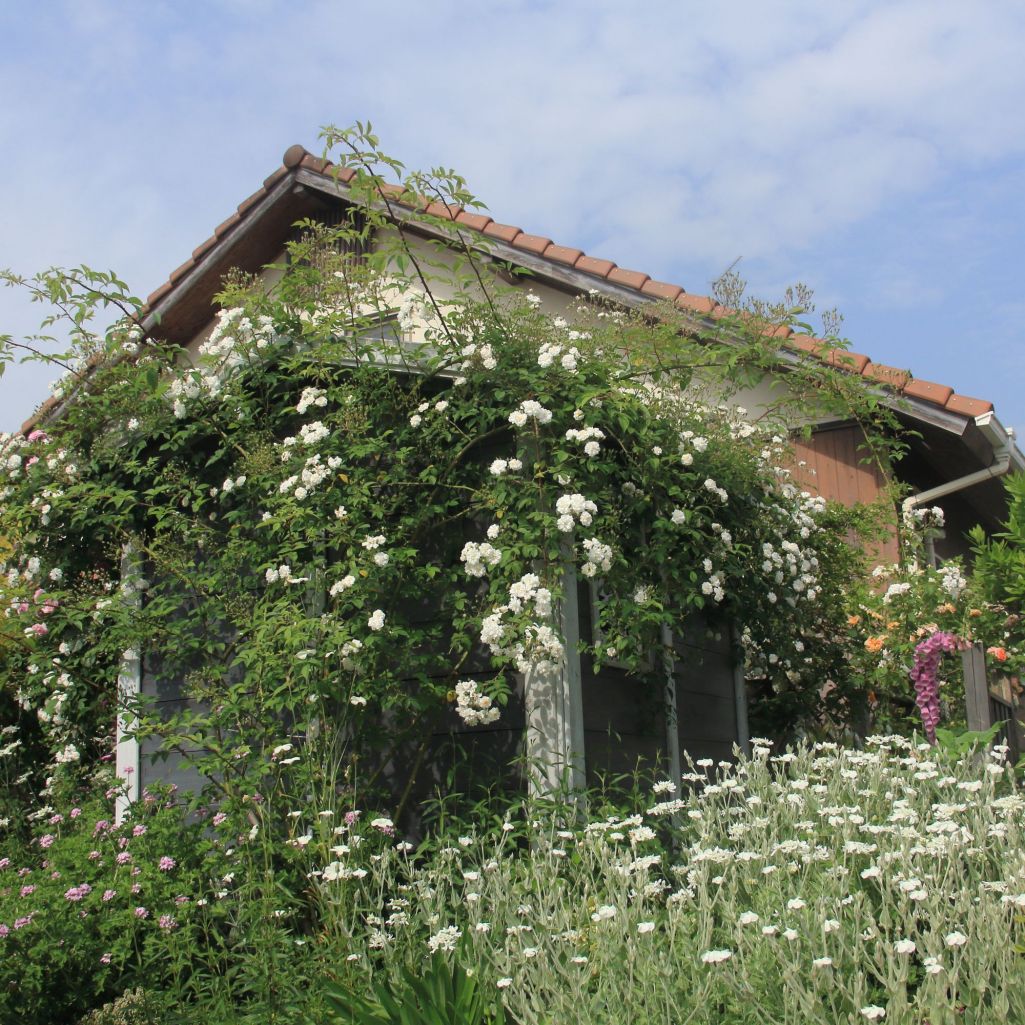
[(924, 675)]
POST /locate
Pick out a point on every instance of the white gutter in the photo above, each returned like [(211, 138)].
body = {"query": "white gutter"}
[(1007, 457)]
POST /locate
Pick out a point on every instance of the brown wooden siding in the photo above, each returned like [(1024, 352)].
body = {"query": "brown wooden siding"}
[(830, 464)]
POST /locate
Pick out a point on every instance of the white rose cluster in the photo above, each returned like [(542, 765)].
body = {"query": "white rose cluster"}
[(922, 519), (234, 339), (283, 573), (483, 353), (478, 557), (720, 493), (313, 474), (473, 707), (574, 509), (500, 467), (952, 581), (597, 556), (311, 397), (894, 591), (311, 433), (530, 409), (589, 437), (538, 646), (794, 565), (568, 358)]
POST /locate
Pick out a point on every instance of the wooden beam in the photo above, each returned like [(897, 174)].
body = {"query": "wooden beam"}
[(976, 687)]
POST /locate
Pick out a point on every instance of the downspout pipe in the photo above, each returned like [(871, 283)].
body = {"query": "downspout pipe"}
[(1004, 452)]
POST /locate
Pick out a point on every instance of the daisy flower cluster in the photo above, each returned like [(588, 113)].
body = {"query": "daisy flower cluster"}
[(823, 883)]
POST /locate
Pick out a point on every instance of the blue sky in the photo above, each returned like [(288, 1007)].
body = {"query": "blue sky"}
[(872, 150)]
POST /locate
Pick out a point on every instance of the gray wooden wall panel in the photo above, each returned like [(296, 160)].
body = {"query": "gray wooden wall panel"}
[(164, 691), (705, 699)]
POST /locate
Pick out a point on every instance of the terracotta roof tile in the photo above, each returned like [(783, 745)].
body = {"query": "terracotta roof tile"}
[(272, 179), (562, 254), (531, 243), (894, 377), (780, 331), (503, 232), (224, 227), (154, 297), (661, 290), (204, 247), (806, 344), (247, 204), (179, 272), (844, 359), (312, 163), (596, 266), (478, 222), (968, 407), (448, 211), (38, 415), (695, 303), (629, 278), (293, 156), (928, 390)]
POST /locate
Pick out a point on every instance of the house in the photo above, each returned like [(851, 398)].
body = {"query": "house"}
[(578, 718)]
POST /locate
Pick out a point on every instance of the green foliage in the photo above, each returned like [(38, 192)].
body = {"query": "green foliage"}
[(440, 993), (1000, 560), (958, 743)]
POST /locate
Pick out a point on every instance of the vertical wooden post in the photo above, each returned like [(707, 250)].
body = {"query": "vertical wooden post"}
[(740, 691), (555, 712), (976, 688), (671, 711), (129, 683)]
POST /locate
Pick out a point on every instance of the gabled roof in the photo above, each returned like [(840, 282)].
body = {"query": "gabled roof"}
[(289, 193)]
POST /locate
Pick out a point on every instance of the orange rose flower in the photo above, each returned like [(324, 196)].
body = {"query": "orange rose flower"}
[(853, 620), (1000, 654), (875, 644)]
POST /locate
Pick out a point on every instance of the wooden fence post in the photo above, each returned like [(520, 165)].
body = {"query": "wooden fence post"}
[(976, 688)]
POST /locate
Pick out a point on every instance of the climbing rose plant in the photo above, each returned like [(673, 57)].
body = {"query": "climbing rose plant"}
[(347, 518)]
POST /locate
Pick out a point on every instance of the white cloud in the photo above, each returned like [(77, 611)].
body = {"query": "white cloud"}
[(667, 137)]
